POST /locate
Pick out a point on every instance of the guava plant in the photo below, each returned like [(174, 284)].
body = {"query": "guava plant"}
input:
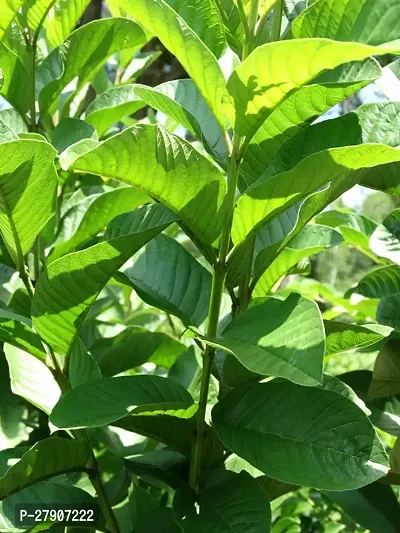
[(153, 362)]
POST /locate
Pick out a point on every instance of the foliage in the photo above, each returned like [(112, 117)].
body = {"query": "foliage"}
[(164, 352)]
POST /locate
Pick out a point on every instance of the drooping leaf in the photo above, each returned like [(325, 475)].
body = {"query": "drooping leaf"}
[(279, 338), (167, 168), (82, 54), (385, 241), (178, 99), (15, 330), (47, 458), (91, 215), (178, 37), (313, 239), (32, 379), (301, 107), (133, 347), (63, 19), (228, 503), (167, 276), (270, 197), (306, 436), (273, 70), (367, 21), (374, 507), (342, 336), (101, 402), (28, 183), (386, 377), (69, 286)]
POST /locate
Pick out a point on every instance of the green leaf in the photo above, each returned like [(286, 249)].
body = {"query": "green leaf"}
[(233, 25), (385, 241), (299, 109), (91, 215), (82, 368), (150, 158), (367, 21), (269, 198), (31, 379), (64, 18), (178, 99), (162, 465), (101, 402), (27, 174), (290, 344), (133, 347), (69, 131), (302, 435), (386, 377), (374, 507), (15, 330), (342, 336), (228, 503), (11, 118), (47, 458), (167, 276), (8, 11), (69, 286), (200, 16), (273, 70), (35, 12), (16, 89), (178, 37), (388, 311), (380, 282), (82, 54), (313, 239)]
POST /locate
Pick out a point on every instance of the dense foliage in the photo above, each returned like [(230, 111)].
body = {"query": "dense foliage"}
[(166, 354)]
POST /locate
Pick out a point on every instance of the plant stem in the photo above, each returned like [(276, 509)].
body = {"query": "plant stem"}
[(277, 20), (32, 71), (214, 310)]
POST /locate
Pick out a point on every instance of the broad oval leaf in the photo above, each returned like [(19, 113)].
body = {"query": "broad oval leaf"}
[(302, 435), (381, 282), (167, 168), (48, 458), (167, 276), (279, 338), (106, 400), (15, 330), (69, 286)]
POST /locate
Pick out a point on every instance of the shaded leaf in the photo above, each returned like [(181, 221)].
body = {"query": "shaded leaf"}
[(82, 368), (101, 402), (15, 330), (385, 241), (167, 276), (69, 131), (48, 458), (69, 286), (386, 376)]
